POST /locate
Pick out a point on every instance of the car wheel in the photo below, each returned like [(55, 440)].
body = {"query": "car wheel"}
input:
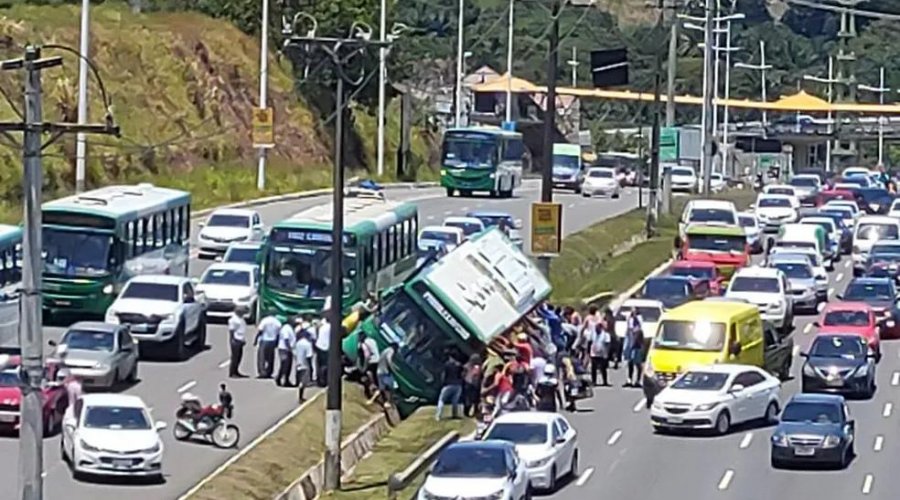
[(723, 423), (527, 492), (62, 453), (178, 349), (201, 333), (585, 195), (133, 374), (252, 319), (573, 469), (771, 416), (551, 486), (115, 379)]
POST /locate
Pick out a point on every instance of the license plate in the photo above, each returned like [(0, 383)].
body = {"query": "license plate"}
[(804, 451), (63, 303), (139, 328), (7, 418), (122, 463), (835, 382), (675, 420)]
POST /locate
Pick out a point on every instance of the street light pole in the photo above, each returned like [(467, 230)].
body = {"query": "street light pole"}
[(382, 76), (263, 88), (509, 62), (880, 90), (573, 63), (459, 63), (84, 47), (830, 81), (550, 120), (761, 67)]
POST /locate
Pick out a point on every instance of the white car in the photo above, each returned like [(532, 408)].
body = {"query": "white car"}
[(243, 253), (435, 236), (894, 211), (752, 230), (767, 288), (845, 211), (717, 182), (111, 435), (848, 204), (806, 187), (226, 226), (789, 255), (716, 397), (227, 286), (601, 181), (869, 230), (774, 210), (546, 441), (162, 310), (784, 189), (477, 470), (649, 311), (854, 171), (684, 179), (470, 225)]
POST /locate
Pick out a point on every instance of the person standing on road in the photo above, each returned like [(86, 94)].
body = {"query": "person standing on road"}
[(471, 385), (599, 351), (303, 353), (367, 362), (547, 391), (588, 328), (615, 343), (634, 349), (286, 340), (266, 340), (323, 342), (451, 389), (237, 339)]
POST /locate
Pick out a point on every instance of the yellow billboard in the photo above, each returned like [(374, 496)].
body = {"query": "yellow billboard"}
[(263, 128), (546, 228)]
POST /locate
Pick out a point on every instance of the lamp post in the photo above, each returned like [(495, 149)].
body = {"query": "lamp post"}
[(761, 67), (509, 62), (830, 81), (573, 63), (880, 90), (459, 64)]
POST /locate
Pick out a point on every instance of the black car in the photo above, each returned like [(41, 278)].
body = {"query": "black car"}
[(884, 260), (814, 429), (673, 291), (839, 363), (875, 201)]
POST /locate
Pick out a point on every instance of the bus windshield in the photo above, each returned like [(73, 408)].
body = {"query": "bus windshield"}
[(421, 342), (74, 253), (469, 151), (717, 243), (302, 270)]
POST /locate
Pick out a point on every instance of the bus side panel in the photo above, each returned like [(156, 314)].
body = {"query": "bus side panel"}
[(9, 321)]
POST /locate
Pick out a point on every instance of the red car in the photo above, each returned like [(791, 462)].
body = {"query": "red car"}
[(53, 393), (835, 194), (854, 318), (699, 270)]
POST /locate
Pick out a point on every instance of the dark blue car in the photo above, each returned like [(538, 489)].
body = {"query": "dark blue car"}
[(673, 291), (814, 429), (875, 201), (880, 293)]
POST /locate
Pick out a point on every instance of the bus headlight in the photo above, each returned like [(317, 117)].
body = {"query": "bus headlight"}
[(108, 289), (443, 171)]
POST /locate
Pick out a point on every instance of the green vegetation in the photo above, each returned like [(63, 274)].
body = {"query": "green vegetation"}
[(395, 452), (279, 459)]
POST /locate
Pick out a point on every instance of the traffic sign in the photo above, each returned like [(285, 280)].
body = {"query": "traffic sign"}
[(546, 229), (263, 128)]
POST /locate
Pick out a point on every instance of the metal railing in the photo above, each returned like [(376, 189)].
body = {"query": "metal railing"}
[(398, 481)]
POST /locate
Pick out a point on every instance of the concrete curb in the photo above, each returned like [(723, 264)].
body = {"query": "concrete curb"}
[(356, 446), (199, 214)]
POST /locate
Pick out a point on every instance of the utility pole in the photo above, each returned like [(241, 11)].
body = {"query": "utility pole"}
[(382, 76), (761, 67), (709, 136), (339, 52), (84, 47), (460, 55), (653, 200), (672, 72), (31, 336), (573, 63), (509, 63), (550, 120), (880, 90), (830, 81), (263, 88)]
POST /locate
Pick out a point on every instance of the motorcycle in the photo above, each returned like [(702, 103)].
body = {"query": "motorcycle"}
[(209, 422)]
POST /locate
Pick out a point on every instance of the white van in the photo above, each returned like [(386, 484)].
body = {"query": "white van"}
[(870, 229), (719, 212), (803, 236)]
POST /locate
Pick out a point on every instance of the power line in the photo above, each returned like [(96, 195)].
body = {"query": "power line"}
[(839, 9)]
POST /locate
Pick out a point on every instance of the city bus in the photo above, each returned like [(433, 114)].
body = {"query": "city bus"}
[(94, 242), (481, 159), (465, 300), (10, 281), (380, 239)]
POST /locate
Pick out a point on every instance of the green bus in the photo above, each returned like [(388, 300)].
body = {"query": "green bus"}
[(10, 283), (94, 242), (379, 251), (482, 159), (465, 300)]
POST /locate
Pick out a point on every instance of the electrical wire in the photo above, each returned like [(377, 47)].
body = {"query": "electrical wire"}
[(839, 9)]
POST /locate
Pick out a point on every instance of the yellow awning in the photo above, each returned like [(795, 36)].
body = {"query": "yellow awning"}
[(501, 83)]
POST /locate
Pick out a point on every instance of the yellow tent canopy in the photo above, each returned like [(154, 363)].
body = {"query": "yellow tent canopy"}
[(501, 83)]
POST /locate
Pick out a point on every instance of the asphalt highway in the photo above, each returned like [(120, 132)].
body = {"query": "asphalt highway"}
[(259, 403), (622, 458)]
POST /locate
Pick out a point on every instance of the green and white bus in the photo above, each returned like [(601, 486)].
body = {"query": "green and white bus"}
[(94, 242), (482, 159), (10, 282), (465, 300), (379, 251)]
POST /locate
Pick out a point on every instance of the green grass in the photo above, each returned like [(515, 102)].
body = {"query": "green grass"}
[(282, 457), (395, 452)]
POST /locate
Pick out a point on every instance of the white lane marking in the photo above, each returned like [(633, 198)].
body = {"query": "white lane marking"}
[(726, 479), (640, 404), (867, 484), (583, 478), (796, 350), (840, 276), (830, 292), (448, 212), (615, 437), (186, 386), (430, 217), (847, 264), (879, 443), (223, 364), (465, 209), (807, 328), (888, 408), (895, 378), (746, 441), (571, 205)]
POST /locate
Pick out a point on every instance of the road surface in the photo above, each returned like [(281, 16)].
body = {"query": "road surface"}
[(259, 403)]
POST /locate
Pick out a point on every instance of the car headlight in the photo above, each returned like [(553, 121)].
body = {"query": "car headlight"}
[(831, 441), (86, 447), (108, 289), (153, 449), (169, 318), (539, 462), (99, 365), (707, 406), (248, 298), (492, 175), (657, 405), (862, 371), (779, 439)]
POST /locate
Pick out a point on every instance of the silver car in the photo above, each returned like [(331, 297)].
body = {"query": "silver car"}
[(801, 283), (100, 355)]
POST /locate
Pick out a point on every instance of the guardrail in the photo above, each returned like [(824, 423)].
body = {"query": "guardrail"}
[(400, 480)]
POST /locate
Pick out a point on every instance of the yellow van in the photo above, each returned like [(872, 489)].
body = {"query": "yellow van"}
[(703, 333)]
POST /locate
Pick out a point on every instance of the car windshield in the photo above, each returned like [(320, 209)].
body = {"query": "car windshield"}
[(805, 181), (717, 242), (694, 272), (868, 291), (494, 220), (468, 228), (774, 202), (470, 461), (519, 433), (792, 270), (754, 284), (682, 172), (466, 152), (665, 288), (857, 180), (690, 335), (89, 340), (10, 378), (601, 174), (566, 162), (796, 244), (304, 271), (842, 213), (701, 381), (116, 418), (443, 236), (891, 251), (151, 291), (228, 220), (712, 215), (877, 231), (827, 225), (233, 277), (747, 221), (242, 255), (75, 253), (838, 347), (811, 413), (646, 313), (846, 318), (781, 190)]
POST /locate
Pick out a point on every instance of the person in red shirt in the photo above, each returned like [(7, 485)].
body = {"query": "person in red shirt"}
[(524, 349)]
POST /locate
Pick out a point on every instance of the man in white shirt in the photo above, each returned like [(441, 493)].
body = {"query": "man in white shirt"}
[(237, 338), (286, 341), (323, 342), (303, 353), (266, 340)]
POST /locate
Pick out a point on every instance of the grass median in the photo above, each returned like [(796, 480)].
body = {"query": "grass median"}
[(587, 266), (395, 452), (279, 460)]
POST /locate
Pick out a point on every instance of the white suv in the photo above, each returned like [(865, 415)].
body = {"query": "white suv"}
[(768, 288), (163, 310), (226, 226)]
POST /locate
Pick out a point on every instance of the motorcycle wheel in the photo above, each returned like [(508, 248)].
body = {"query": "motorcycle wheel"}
[(180, 433), (226, 435)]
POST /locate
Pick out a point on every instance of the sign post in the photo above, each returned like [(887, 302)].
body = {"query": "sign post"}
[(263, 128), (546, 229)]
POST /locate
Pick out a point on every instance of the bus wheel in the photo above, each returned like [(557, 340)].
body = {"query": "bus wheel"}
[(506, 194), (465, 193), (450, 192)]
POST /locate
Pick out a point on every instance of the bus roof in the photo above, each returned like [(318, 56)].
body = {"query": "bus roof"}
[(130, 202), (701, 310), (715, 230), (485, 130), (10, 235), (360, 215)]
